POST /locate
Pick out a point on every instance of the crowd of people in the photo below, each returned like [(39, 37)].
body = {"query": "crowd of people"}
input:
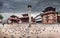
[(35, 31)]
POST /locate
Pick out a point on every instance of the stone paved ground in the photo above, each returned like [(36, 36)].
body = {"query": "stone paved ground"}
[(35, 31)]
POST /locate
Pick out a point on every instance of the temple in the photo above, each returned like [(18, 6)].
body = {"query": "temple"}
[(13, 19), (23, 19), (49, 16)]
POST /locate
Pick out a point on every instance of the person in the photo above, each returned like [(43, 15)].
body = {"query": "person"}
[(4, 37), (3, 24)]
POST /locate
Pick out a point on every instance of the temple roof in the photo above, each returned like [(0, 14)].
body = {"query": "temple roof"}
[(49, 9), (52, 12), (24, 14), (13, 16)]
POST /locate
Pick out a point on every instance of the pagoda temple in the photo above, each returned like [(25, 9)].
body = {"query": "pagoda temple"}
[(25, 18), (49, 15), (13, 19)]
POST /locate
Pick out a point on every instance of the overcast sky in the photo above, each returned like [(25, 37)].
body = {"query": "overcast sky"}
[(20, 6)]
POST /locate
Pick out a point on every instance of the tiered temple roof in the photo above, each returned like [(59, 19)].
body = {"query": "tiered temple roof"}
[(48, 10)]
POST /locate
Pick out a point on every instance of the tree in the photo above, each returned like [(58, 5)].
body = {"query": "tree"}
[(1, 17)]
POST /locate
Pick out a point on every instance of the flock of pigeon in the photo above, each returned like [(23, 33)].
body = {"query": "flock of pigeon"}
[(35, 31)]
